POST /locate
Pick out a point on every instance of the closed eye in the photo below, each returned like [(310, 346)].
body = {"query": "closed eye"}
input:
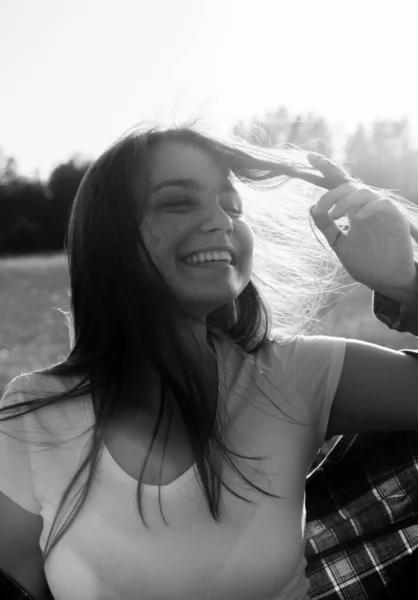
[(232, 206), (231, 203), (185, 202), (234, 210)]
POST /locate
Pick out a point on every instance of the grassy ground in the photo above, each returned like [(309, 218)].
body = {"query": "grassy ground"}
[(33, 332)]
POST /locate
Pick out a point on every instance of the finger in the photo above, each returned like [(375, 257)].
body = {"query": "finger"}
[(329, 228), (353, 203), (382, 207), (327, 201), (328, 167)]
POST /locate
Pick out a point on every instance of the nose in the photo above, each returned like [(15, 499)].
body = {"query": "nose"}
[(216, 219)]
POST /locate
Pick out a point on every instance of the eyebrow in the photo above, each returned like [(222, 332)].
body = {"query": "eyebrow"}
[(190, 184)]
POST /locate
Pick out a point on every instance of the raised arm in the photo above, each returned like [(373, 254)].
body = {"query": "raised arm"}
[(378, 386), (386, 394), (378, 391)]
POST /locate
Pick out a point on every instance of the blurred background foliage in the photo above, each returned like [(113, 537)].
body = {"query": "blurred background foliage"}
[(33, 215)]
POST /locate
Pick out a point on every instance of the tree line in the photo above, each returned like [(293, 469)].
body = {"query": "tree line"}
[(33, 214)]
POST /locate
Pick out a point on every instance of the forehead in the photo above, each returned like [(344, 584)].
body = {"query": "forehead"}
[(182, 160)]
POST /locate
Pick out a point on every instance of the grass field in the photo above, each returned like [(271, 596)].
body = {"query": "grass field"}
[(33, 333)]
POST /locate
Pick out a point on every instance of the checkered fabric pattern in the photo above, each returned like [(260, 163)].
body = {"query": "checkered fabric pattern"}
[(362, 518)]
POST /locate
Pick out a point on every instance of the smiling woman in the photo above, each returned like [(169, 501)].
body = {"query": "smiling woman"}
[(185, 220), (179, 430)]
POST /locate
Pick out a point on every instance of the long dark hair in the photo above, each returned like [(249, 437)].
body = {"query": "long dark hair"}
[(121, 309)]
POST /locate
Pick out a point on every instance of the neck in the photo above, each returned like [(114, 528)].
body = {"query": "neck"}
[(195, 337)]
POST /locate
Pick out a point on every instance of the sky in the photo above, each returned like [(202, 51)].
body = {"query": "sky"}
[(76, 74)]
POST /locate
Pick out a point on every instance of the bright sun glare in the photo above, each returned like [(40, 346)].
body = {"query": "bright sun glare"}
[(72, 86)]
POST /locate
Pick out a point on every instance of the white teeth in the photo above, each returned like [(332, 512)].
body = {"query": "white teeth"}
[(202, 257)]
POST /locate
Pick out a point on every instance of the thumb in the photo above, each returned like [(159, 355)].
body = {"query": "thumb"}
[(328, 168), (329, 228)]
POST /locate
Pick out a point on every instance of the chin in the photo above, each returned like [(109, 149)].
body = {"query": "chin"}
[(201, 307)]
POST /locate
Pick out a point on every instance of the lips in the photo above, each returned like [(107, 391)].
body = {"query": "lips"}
[(218, 249)]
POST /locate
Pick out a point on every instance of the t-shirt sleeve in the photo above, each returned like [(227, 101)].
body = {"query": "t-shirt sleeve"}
[(313, 365), (15, 450)]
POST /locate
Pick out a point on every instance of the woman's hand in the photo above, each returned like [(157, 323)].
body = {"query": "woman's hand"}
[(377, 248)]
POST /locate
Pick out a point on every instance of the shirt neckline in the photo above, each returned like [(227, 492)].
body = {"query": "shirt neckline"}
[(120, 473)]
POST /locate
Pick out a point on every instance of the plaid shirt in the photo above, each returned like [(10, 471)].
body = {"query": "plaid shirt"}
[(362, 517), (362, 509)]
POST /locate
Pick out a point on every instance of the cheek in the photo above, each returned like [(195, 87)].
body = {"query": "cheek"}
[(161, 237), (246, 237)]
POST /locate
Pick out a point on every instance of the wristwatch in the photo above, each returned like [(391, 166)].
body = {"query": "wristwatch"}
[(397, 316)]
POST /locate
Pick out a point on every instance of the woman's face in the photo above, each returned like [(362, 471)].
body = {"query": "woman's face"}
[(194, 229)]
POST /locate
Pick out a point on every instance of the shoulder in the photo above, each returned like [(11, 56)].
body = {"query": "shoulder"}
[(307, 367), (32, 386), (304, 351), (33, 381), (51, 413), (297, 355)]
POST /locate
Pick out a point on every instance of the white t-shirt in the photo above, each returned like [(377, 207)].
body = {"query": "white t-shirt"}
[(256, 553)]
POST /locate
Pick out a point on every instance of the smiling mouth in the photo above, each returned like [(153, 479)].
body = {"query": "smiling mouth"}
[(211, 265), (209, 258)]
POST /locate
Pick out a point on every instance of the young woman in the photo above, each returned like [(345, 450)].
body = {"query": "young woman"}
[(166, 457)]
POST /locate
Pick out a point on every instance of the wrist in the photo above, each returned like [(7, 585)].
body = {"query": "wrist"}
[(398, 309), (405, 295)]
